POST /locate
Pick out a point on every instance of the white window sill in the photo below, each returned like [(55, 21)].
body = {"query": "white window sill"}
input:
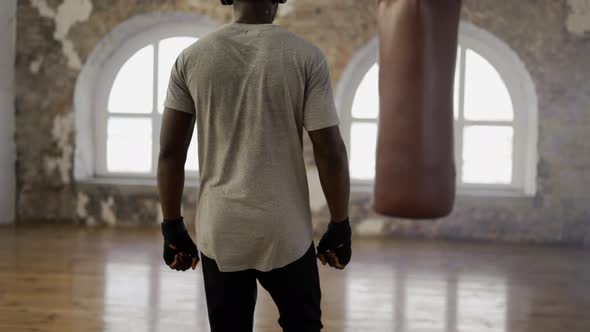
[(361, 187), (129, 181), (492, 192), (367, 188)]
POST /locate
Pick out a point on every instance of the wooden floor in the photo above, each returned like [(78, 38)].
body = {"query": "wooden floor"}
[(58, 278)]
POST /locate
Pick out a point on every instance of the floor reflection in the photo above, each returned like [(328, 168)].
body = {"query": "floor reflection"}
[(127, 297), (157, 298), (482, 304), (115, 281), (425, 303), (369, 297), (379, 298)]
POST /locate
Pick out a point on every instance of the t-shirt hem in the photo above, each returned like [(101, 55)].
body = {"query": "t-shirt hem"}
[(178, 107), (259, 268), (322, 126)]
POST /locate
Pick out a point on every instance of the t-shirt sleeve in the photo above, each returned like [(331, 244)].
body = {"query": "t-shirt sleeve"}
[(178, 96), (319, 108)]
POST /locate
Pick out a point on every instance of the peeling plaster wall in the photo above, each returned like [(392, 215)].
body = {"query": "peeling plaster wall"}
[(65, 15), (550, 36), (578, 21), (7, 155)]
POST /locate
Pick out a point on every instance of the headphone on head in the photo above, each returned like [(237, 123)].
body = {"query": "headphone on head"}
[(231, 2)]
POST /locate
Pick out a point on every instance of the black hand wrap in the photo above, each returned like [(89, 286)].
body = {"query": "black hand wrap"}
[(175, 234), (337, 239)]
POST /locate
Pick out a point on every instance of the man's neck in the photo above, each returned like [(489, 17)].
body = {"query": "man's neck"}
[(253, 16)]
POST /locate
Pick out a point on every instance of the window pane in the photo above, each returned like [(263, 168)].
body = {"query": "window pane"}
[(366, 99), (132, 91), (192, 157), (169, 49), (486, 95), (487, 154), (363, 147), (129, 145)]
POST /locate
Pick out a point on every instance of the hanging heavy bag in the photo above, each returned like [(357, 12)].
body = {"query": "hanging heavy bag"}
[(415, 171)]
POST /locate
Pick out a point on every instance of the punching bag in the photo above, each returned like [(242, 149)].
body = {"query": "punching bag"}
[(415, 168)]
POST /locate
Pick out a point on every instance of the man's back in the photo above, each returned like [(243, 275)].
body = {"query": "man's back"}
[(254, 89)]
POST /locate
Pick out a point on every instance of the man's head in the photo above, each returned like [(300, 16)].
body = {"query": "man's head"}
[(254, 11)]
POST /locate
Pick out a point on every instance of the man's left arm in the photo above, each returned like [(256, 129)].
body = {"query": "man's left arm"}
[(175, 138), (180, 252)]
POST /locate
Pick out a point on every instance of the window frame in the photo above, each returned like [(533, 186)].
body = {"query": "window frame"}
[(520, 87), (97, 77), (107, 80)]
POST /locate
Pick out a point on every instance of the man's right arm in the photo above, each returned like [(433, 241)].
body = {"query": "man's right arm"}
[(321, 122), (332, 163)]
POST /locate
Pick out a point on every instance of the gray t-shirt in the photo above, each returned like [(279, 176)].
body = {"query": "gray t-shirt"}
[(253, 88)]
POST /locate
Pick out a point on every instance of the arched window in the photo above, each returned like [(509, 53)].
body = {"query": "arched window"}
[(129, 117), (495, 116), (126, 79)]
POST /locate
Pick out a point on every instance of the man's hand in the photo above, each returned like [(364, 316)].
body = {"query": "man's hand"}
[(180, 252), (335, 246)]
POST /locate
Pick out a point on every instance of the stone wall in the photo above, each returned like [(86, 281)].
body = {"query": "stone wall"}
[(7, 156), (55, 37)]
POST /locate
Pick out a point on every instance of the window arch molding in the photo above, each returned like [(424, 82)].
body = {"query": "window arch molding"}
[(101, 68), (520, 87)]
